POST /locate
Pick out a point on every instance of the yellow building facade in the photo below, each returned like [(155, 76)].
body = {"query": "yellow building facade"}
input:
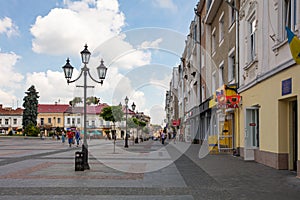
[(51, 116), (269, 119)]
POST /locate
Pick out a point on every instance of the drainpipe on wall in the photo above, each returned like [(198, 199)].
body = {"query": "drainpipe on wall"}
[(237, 68), (237, 71)]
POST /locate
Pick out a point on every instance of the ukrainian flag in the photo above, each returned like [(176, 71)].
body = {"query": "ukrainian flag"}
[(294, 43)]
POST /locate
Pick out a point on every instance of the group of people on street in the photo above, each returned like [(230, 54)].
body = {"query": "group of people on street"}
[(164, 134), (72, 136)]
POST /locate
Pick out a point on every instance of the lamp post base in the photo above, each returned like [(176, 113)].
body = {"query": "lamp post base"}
[(85, 158), (126, 141)]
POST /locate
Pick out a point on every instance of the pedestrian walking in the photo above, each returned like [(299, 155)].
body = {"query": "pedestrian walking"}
[(77, 137), (63, 137), (70, 136), (174, 136), (163, 137)]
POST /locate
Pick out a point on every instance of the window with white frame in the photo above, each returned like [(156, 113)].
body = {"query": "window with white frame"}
[(232, 12), (49, 120), (231, 66), (203, 93), (0, 121), (287, 14), (15, 121), (6, 121), (68, 120), (213, 41), (42, 121), (213, 82), (221, 28), (78, 120), (73, 121), (252, 38), (221, 74)]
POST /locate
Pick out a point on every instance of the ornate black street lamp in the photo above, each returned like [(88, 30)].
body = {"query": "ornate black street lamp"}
[(133, 106), (101, 70), (126, 134)]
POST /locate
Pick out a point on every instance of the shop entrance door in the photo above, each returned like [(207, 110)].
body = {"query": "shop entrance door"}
[(294, 136), (251, 132)]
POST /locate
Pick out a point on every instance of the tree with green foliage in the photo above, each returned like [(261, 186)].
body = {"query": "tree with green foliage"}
[(30, 107), (92, 100), (76, 100), (112, 113), (89, 101), (31, 130), (131, 123), (139, 124)]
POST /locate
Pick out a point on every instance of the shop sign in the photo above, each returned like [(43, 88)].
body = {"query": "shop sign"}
[(252, 124), (229, 101), (176, 122), (225, 97)]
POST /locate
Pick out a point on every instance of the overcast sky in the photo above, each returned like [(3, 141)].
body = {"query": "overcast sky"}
[(140, 42)]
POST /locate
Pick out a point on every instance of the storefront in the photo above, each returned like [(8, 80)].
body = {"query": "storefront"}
[(269, 116), (223, 107)]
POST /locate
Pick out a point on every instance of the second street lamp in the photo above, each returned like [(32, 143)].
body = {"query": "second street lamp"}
[(126, 134), (68, 70), (133, 108)]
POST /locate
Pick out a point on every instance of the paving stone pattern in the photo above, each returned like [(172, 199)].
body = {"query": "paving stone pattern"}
[(44, 169)]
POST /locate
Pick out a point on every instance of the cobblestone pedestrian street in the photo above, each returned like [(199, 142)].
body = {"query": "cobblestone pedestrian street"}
[(45, 169)]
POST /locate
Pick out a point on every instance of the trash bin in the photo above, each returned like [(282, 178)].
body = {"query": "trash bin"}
[(79, 161)]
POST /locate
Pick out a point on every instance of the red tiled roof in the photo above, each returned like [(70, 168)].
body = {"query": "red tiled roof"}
[(89, 109), (52, 108), (10, 111)]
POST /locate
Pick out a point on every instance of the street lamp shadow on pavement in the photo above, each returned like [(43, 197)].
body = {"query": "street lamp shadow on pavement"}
[(101, 71)]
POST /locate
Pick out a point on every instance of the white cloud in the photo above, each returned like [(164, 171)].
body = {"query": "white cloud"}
[(10, 80), (166, 4), (121, 54), (8, 27), (8, 74), (151, 44), (65, 30), (51, 85)]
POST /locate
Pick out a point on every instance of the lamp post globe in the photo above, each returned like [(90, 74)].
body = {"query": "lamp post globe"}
[(133, 106), (68, 69), (85, 55), (101, 70)]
